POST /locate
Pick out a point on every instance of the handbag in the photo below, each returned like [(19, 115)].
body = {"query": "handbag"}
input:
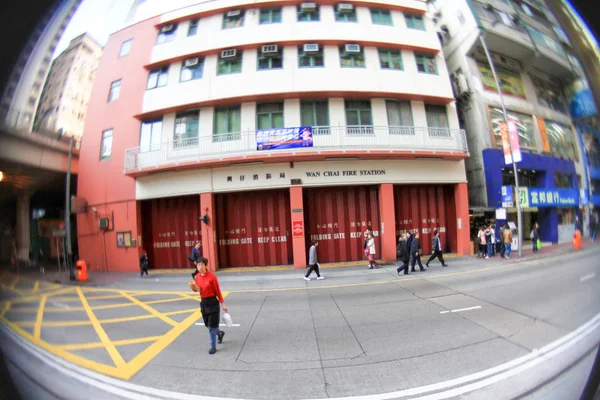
[(539, 244)]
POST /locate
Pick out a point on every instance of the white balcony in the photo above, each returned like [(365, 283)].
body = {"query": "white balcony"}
[(335, 140)]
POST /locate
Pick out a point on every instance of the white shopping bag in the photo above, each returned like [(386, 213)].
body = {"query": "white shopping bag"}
[(227, 320)]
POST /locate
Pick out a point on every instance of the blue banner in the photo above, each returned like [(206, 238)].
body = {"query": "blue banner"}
[(507, 196), (284, 138), (543, 197)]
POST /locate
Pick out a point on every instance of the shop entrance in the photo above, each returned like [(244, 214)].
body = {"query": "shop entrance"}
[(254, 228), (338, 218)]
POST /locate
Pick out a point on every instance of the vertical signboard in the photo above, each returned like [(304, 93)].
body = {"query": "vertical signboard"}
[(543, 135), (510, 137)]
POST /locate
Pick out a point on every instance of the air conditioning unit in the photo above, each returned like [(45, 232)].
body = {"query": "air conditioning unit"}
[(167, 28), (269, 49), (311, 48), (190, 62), (345, 7), (308, 6), (352, 48), (103, 223), (233, 13), (229, 53)]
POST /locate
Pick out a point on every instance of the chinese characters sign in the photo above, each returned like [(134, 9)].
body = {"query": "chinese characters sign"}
[(286, 138), (507, 196), (543, 197), (510, 134)]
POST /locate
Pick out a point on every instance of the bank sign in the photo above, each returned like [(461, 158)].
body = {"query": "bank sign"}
[(543, 197), (285, 138)]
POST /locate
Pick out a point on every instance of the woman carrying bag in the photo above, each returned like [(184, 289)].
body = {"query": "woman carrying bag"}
[(207, 284)]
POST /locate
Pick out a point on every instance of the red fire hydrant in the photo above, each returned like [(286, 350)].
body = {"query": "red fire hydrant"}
[(577, 240)]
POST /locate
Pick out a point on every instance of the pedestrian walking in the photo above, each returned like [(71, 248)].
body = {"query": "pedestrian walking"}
[(507, 238), (402, 254), (207, 284), (482, 243), (370, 251), (313, 262), (501, 249), (144, 262), (593, 226), (194, 258), (415, 253), (488, 240), (436, 249), (535, 236), (578, 226)]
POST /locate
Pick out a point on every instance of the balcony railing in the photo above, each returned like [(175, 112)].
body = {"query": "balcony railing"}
[(325, 139)]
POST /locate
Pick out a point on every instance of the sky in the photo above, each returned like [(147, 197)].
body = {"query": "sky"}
[(99, 18)]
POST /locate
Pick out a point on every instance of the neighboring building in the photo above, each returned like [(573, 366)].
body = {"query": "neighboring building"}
[(24, 87), (67, 91), (534, 67), (182, 105)]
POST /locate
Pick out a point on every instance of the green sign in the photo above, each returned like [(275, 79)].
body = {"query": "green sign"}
[(523, 197)]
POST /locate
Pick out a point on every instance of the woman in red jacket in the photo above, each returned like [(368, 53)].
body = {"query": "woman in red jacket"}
[(210, 296)]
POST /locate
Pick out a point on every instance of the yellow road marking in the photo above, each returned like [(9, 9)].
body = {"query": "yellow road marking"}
[(11, 289), (114, 354), (5, 308), (14, 283), (35, 297), (36, 286), (89, 298), (150, 309), (37, 330), (86, 346)]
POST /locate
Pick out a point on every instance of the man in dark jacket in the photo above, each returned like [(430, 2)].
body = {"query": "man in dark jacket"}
[(194, 258), (402, 254), (415, 255), (436, 246)]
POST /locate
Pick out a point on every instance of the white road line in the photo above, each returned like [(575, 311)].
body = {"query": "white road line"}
[(60, 305), (587, 277), (202, 324), (460, 309)]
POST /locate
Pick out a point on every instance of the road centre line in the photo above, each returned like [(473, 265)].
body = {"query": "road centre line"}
[(460, 310), (587, 277)]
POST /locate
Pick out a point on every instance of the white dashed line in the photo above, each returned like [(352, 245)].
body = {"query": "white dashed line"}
[(202, 324), (587, 277), (460, 309)]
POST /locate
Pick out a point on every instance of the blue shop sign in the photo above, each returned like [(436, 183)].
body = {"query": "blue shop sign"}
[(545, 197), (507, 196), (285, 138)]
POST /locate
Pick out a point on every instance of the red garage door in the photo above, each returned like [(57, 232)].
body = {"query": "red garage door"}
[(338, 217), (169, 228), (425, 208), (254, 228)]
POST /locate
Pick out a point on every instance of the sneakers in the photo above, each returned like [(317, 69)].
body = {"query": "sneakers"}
[(212, 350), (320, 278), (220, 336), (306, 278)]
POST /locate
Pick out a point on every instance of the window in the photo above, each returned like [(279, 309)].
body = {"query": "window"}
[(399, 116), (503, 17), (115, 91), (270, 57), (352, 56), (270, 16), (561, 140), (125, 48), (151, 135), (546, 40), (414, 21), (186, 129), (315, 114), (550, 94), (358, 117), (510, 81), (437, 120), (167, 33), (193, 28), (106, 144), (310, 55), (381, 17), (563, 181), (524, 126), (345, 12), (191, 69), (233, 19), (269, 115), (230, 64), (307, 13), (158, 77), (426, 63), (227, 125), (390, 59)]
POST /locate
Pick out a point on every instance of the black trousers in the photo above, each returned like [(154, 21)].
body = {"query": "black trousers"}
[(438, 254), (404, 267), (143, 270), (414, 259), (311, 268)]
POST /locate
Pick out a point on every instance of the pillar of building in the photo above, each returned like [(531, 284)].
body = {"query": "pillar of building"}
[(23, 228), (298, 229), (210, 249), (387, 218), (461, 202)]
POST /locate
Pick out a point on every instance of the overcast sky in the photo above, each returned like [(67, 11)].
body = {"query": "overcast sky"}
[(98, 18)]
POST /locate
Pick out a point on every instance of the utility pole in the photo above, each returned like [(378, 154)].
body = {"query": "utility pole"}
[(69, 250), (514, 165)]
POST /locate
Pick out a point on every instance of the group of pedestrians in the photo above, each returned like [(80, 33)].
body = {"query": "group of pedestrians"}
[(409, 251)]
